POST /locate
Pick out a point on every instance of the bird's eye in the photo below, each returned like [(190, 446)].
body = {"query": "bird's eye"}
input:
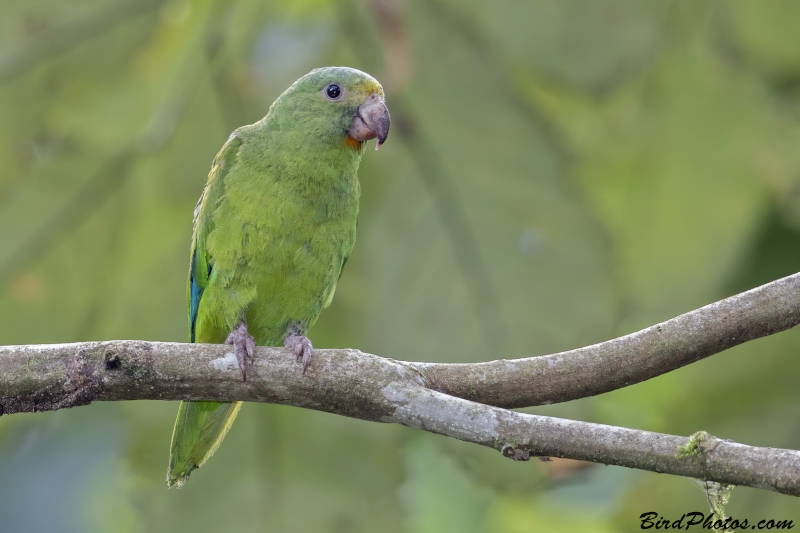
[(333, 91)]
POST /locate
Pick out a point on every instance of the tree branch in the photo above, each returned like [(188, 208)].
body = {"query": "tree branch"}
[(627, 360), (436, 397)]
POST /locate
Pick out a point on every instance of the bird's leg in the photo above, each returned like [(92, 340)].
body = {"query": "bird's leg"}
[(244, 346), (300, 344)]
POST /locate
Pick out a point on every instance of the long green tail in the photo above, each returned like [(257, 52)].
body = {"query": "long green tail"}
[(198, 432)]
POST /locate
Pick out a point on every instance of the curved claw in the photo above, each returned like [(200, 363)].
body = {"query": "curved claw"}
[(301, 347), (244, 347)]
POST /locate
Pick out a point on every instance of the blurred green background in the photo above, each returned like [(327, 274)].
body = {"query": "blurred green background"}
[(558, 173)]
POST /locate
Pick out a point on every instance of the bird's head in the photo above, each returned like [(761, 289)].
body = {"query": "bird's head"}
[(335, 105)]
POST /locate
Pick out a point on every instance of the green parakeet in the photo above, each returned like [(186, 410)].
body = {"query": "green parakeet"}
[(272, 231)]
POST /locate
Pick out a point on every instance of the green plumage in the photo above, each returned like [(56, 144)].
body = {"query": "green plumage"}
[(272, 230)]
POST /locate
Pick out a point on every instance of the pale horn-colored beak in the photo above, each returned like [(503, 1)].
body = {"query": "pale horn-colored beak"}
[(371, 121)]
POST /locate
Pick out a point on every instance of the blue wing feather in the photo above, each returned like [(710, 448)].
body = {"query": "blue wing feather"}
[(202, 225), (194, 299)]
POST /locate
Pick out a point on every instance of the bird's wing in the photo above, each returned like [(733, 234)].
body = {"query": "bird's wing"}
[(201, 262), (201, 426)]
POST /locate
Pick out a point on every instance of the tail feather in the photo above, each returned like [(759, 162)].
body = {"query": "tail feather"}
[(199, 430)]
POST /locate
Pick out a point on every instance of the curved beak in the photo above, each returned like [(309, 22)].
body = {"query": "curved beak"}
[(371, 121)]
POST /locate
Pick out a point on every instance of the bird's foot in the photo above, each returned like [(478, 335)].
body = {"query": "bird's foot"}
[(244, 347), (301, 346)]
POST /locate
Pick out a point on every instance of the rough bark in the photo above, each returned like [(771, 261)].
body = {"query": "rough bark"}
[(461, 401)]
